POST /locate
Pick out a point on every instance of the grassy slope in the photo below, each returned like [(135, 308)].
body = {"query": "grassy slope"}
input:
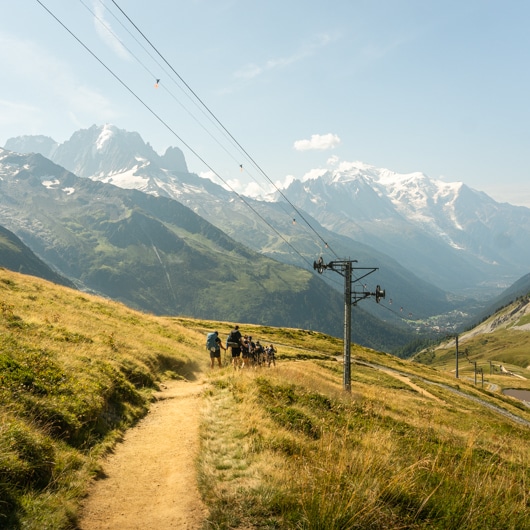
[(75, 370), (500, 340), (281, 448), (412, 447)]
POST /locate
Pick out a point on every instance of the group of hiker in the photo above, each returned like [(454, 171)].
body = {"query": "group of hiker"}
[(245, 352)]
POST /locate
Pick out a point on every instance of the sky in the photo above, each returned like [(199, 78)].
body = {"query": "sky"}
[(266, 91)]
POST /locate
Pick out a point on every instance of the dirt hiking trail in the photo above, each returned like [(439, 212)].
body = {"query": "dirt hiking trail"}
[(149, 481)]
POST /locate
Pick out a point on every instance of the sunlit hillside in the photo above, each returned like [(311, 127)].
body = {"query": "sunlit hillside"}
[(281, 447), (502, 340), (75, 370)]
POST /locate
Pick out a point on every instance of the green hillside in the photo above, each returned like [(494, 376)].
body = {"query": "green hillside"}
[(285, 447), (501, 340), (156, 255), (15, 256)]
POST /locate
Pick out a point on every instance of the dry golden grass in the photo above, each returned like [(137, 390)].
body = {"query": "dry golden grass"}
[(386, 456), (75, 371), (285, 447)]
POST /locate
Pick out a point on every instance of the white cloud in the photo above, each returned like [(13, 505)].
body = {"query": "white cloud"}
[(344, 165), (244, 188), (249, 71), (319, 142), (286, 182), (230, 185), (253, 70), (210, 175), (253, 189), (105, 32), (233, 185), (248, 189)]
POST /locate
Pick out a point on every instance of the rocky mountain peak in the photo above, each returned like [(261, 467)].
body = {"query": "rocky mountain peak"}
[(100, 151), (44, 145), (173, 160), (445, 232)]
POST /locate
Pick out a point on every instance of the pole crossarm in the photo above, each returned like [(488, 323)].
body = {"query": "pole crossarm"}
[(345, 268)]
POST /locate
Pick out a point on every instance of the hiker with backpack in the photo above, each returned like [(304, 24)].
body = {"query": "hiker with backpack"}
[(214, 345), (270, 355), (247, 351), (234, 343), (259, 354)]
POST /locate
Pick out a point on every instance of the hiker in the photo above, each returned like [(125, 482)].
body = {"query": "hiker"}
[(247, 351), (251, 347), (213, 345), (270, 355), (259, 353), (234, 343)]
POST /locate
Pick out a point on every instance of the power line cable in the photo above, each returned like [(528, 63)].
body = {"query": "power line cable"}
[(163, 122), (201, 108), (223, 127), (150, 72)]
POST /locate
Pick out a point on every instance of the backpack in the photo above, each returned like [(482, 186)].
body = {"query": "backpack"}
[(232, 341), (210, 341)]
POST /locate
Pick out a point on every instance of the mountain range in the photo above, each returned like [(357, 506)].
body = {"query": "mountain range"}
[(447, 233), (156, 255), (437, 246)]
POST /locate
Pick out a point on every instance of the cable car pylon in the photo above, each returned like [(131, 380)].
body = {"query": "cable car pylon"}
[(345, 268)]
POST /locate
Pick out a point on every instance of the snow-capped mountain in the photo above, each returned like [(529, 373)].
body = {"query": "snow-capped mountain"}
[(447, 234), (368, 193), (118, 157), (154, 254), (233, 216), (114, 156), (110, 155)]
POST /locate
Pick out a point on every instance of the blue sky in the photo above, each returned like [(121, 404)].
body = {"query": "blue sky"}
[(408, 85)]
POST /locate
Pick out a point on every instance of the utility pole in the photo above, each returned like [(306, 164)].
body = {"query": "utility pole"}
[(351, 297), (456, 339), (346, 378)]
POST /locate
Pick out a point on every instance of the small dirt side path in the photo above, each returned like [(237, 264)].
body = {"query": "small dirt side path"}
[(150, 478)]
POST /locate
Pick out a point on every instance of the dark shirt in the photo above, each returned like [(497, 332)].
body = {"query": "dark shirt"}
[(235, 336)]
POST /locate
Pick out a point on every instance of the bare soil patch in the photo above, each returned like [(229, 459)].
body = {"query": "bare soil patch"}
[(149, 481)]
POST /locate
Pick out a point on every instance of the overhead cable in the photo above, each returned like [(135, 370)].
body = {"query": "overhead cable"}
[(163, 122), (209, 115), (223, 127)]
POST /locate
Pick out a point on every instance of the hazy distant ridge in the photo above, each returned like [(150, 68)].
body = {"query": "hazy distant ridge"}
[(447, 234)]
